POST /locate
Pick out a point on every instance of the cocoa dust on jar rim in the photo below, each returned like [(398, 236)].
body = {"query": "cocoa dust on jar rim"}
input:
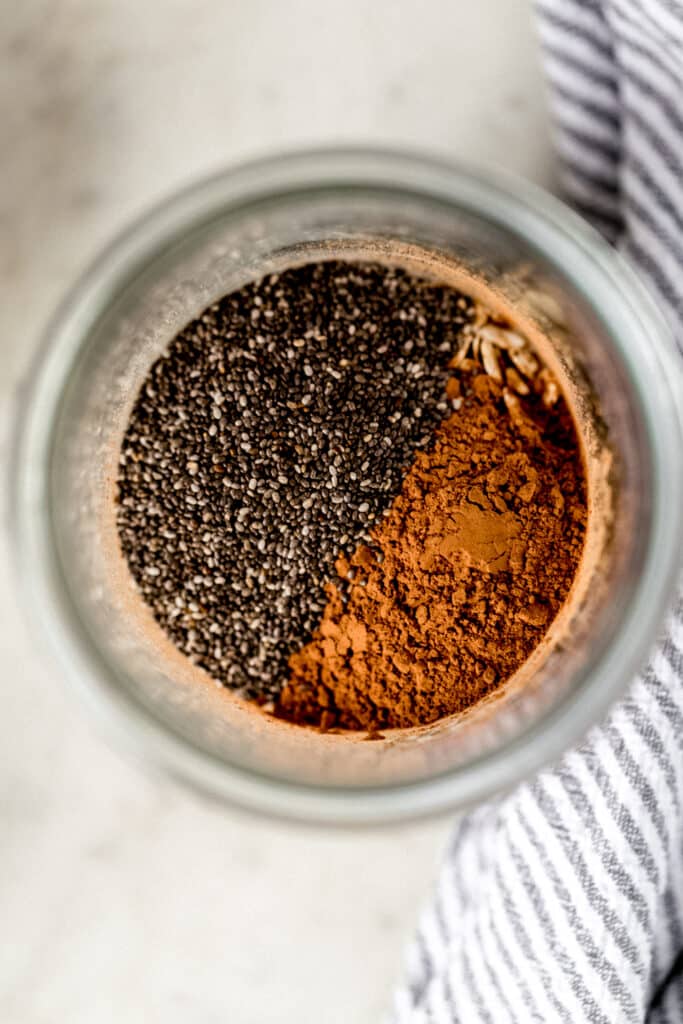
[(351, 495)]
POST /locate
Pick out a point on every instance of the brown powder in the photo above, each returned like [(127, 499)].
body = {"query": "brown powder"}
[(464, 575)]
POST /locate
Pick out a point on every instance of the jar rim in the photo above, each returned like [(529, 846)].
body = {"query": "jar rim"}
[(585, 261)]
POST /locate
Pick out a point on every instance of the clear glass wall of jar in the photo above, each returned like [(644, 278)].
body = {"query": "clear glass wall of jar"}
[(620, 364)]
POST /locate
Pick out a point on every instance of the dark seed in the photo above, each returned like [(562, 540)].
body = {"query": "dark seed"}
[(266, 441)]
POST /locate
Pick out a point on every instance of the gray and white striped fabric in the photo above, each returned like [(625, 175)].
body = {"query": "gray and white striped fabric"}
[(564, 901)]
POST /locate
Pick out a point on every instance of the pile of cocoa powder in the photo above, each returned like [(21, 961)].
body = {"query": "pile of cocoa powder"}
[(464, 576)]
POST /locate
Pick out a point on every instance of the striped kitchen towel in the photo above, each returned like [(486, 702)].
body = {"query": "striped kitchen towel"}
[(564, 901)]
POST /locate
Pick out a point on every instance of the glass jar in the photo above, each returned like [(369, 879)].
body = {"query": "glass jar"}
[(620, 371)]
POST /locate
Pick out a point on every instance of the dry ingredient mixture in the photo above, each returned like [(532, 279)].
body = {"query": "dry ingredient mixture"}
[(348, 494)]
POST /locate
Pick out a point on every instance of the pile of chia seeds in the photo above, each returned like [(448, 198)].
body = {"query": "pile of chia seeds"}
[(268, 439)]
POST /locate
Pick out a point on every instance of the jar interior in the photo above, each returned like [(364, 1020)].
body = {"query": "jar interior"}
[(171, 285)]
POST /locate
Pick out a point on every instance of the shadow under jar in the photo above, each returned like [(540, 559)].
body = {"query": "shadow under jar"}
[(605, 343)]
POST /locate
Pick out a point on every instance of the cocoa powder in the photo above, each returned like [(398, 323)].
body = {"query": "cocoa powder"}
[(464, 575)]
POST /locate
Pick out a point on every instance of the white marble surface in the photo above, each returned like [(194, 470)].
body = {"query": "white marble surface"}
[(123, 898)]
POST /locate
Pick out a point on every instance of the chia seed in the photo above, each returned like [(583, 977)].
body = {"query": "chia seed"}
[(277, 427)]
